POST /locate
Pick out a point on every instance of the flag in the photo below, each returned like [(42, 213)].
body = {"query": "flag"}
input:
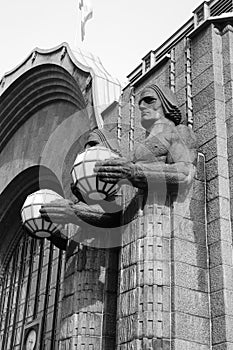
[(86, 14)]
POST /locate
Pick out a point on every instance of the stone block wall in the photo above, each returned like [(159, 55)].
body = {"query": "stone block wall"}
[(211, 95), (175, 269), (190, 276)]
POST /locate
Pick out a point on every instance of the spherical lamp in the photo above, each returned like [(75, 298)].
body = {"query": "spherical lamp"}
[(31, 217), (84, 177)]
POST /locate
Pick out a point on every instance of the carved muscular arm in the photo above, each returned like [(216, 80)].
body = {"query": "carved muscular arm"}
[(65, 211), (142, 173), (179, 168)]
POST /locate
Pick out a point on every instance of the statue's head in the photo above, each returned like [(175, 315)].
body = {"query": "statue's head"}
[(104, 138), (156, 103)]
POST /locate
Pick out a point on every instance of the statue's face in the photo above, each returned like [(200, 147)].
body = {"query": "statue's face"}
[(150, 107)]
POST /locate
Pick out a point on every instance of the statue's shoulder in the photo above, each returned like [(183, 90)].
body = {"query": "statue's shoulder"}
[(186, 135)]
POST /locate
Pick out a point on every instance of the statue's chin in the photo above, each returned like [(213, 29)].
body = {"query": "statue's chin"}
[(147, 124)]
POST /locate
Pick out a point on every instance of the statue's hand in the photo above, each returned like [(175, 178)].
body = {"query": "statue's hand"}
[(114, 170), (60, 211)]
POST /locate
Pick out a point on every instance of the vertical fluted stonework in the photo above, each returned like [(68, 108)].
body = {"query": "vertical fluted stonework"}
[(143, 318), (89, 302)]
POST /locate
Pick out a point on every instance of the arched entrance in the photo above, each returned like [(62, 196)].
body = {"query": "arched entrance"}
[(32, 271)]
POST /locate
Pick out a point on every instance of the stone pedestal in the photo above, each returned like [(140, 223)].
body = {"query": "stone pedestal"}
[(90, 296), (144, 289), (163, 289)]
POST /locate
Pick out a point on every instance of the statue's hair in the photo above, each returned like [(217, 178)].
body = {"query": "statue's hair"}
[(105, 138), (169, 102)]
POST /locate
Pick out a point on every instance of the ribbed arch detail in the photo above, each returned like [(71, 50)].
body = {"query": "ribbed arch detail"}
[(12, 199), (26, 296), (38, 87)]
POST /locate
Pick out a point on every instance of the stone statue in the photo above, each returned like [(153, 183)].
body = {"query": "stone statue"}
[(163, 162), (167, 156)]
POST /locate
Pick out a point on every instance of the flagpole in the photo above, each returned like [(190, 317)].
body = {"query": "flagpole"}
[(77, 35), (85, 14)]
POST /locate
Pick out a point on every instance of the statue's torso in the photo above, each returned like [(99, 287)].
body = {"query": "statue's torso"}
[(156, 146)]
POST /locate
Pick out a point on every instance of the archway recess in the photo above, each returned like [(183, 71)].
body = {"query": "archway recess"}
[(100, 89), (12, 199)]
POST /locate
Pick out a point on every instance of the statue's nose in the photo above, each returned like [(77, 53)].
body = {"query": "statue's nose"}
[(142, 105)]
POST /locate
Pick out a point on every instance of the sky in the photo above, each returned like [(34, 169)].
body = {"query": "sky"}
[(121, 32)]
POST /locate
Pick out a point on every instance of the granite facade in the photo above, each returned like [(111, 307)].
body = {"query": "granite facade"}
[(170, 283)]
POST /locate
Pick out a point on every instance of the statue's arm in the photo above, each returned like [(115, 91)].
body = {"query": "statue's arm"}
[(96, 215), (178, 169), (64, 211), (106, 217), (157, 173), (109, 215)]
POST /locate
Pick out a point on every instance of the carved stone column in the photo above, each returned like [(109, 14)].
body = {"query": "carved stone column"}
[(163, 296), (143, 318), (89, 301)]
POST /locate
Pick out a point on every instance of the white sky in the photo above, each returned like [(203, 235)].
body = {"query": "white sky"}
[(121, 32)]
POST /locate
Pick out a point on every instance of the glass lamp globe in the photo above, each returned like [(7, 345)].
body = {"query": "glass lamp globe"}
[(31, 217), (84, 177)]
